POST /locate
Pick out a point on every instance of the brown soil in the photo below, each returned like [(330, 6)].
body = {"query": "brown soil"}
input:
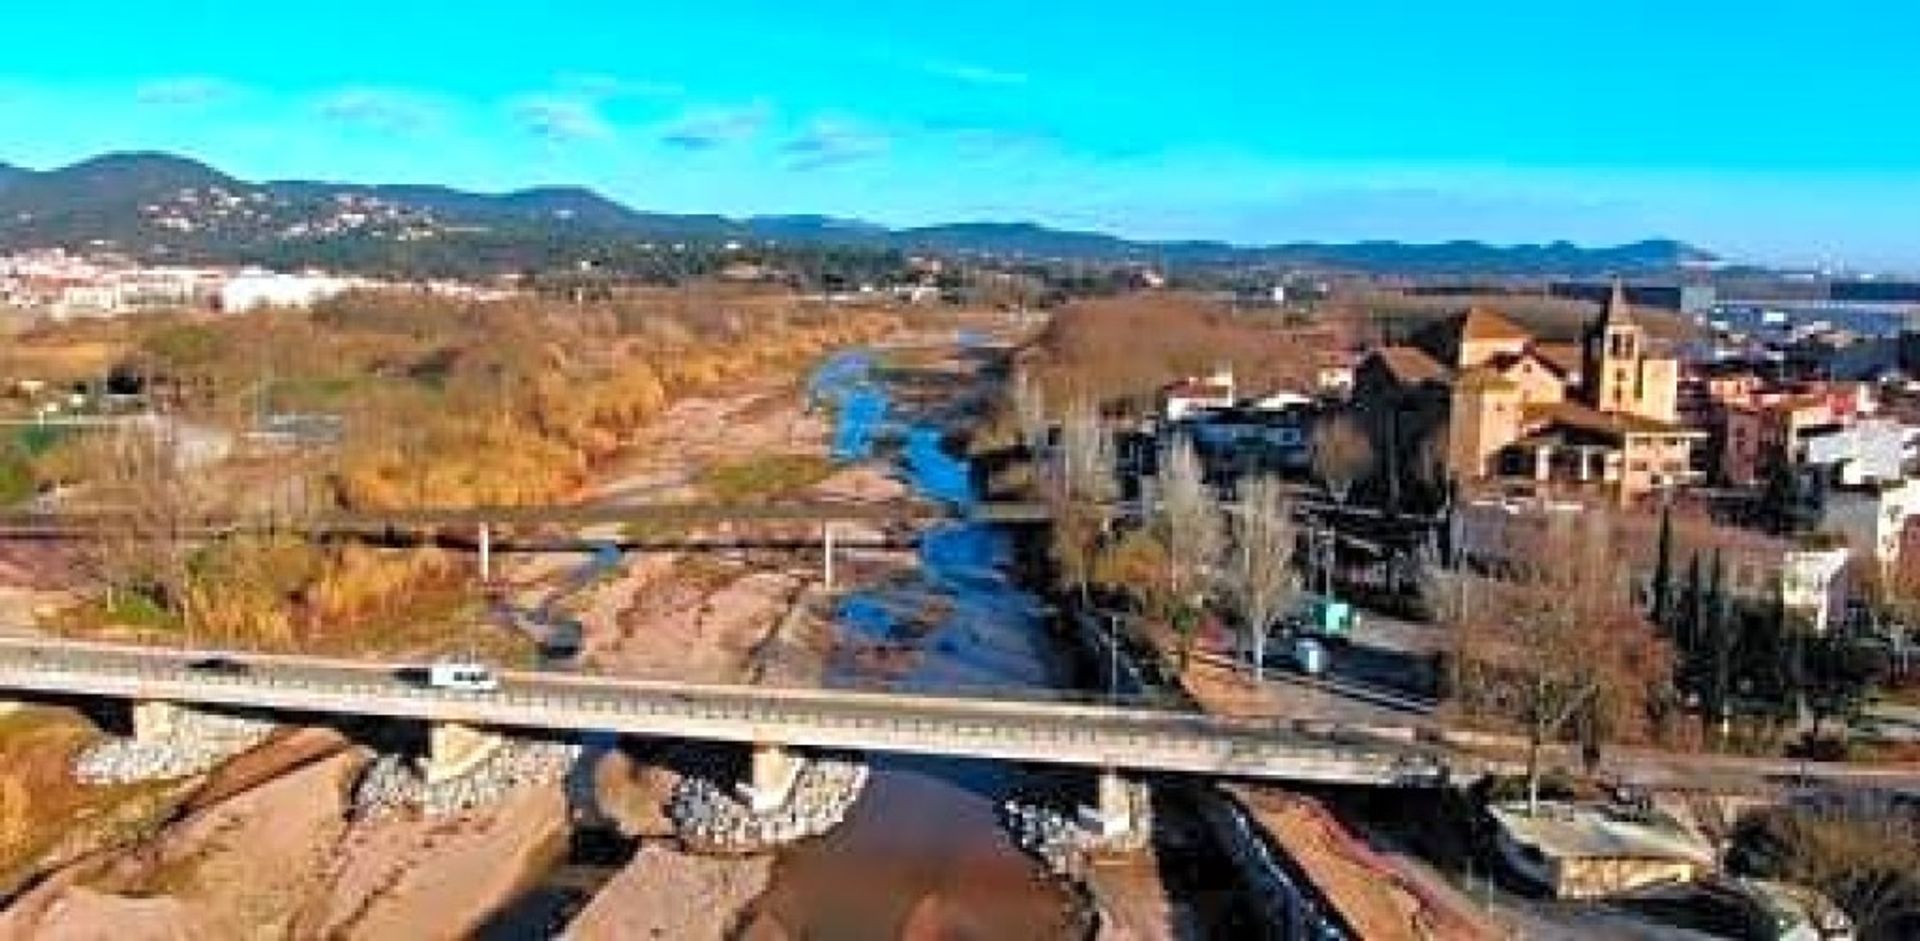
[(47, 820), (414, 878), (1379, 898), (250, 848), (634, 795), (664, 893)]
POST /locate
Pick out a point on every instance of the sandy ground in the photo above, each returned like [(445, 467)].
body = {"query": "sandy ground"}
[(415, 878), (665, 893), (250, 846), (1132, 900), (1373, 893)]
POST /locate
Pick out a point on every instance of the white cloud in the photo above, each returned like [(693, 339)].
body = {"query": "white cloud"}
[(561, 119), (602, 87), (387, 110), (186, 90), (829, 142), (974, 74), (708, 128)]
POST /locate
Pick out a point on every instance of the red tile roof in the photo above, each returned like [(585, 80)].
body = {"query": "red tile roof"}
[(1480, 323), (1411, 365)]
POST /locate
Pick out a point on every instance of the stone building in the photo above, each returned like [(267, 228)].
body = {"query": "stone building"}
[(1488, 401)]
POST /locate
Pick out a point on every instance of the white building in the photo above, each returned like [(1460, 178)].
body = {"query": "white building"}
[(253, 290), (1197, 394), (1871, 517), (1868, 451)]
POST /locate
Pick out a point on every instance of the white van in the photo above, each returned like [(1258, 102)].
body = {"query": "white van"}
[(471, 677)]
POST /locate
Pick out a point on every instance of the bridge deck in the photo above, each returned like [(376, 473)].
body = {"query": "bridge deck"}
[(378, 521), (1097, 736)]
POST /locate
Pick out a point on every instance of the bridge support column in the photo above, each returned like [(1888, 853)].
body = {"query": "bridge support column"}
[(770, 780), (155, 719), (486, 554), (1122, 808), (455, 750), (826, 544)]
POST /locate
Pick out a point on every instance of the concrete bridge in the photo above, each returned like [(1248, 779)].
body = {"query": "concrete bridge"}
[(82, 523), (1116, 743)]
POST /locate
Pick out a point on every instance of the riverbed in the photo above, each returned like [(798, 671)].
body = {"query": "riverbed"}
[(924, 852)]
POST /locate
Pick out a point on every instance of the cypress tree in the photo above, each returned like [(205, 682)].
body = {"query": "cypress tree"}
[(1663, 614), (1692, 618), (1721, 631)]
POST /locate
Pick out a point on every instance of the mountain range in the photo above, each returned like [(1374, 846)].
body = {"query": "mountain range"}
[(161, 206)]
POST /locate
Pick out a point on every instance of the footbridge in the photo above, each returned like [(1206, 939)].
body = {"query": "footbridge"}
[(82, 523)]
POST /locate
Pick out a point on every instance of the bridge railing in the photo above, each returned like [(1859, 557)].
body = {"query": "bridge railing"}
[(1120, 733)]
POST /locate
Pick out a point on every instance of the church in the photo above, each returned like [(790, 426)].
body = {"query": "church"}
[(1600, 415)]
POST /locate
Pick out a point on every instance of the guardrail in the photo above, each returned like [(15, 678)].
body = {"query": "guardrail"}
[(378, 521), (1078, 735)]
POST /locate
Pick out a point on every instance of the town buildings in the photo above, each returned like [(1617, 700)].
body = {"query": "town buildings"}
[(1488, 402)]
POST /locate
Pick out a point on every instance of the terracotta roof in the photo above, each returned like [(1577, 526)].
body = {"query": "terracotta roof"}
[(1480, 323), (1590, 419), (1565, 357), (1411, 365)]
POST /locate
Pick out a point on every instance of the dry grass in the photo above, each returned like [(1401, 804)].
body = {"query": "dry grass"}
[(446, 404), (1389, 317), (766, 477), (1121, 351), (46, 818)]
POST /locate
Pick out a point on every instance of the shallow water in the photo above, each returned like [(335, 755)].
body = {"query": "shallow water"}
[(925, 846)]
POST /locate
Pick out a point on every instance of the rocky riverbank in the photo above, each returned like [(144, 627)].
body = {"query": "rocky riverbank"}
[(1067, 843), (712, 818), (193, 743), (394, 782)]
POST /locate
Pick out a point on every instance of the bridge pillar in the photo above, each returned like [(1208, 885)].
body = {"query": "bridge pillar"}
[(1122, 807), (826, 553), (155, 719), (455, 750), (770, 779), (486, 554)]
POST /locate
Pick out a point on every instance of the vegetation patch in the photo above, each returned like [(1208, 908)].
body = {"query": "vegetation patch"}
[(47, 818), (764, 478)]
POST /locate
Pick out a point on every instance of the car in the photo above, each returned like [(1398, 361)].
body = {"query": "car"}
[(467, 676), (219, 665)]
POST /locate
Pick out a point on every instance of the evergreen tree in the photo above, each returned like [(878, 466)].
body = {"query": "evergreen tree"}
[(1663, 614), (1720, 630), (1693, 617)]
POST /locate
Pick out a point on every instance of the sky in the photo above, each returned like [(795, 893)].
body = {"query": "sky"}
[(1767, 130)]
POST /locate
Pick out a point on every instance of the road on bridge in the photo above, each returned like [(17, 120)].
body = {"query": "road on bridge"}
[(1014, 730)]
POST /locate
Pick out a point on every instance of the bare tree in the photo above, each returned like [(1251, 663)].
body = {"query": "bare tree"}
[(1080, 487), (1342, 455), (1260, 578), (142, 476), (1030, 412), (1560, 639), (1190, 524), (1086, 458), (1860, 851)]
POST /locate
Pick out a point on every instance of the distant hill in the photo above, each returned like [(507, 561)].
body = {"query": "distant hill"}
[(159, 205)]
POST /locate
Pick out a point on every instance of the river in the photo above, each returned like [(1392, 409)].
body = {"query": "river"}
[(925, 845)]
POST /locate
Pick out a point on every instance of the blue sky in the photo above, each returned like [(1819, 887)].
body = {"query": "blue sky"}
[(1768, 129)]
